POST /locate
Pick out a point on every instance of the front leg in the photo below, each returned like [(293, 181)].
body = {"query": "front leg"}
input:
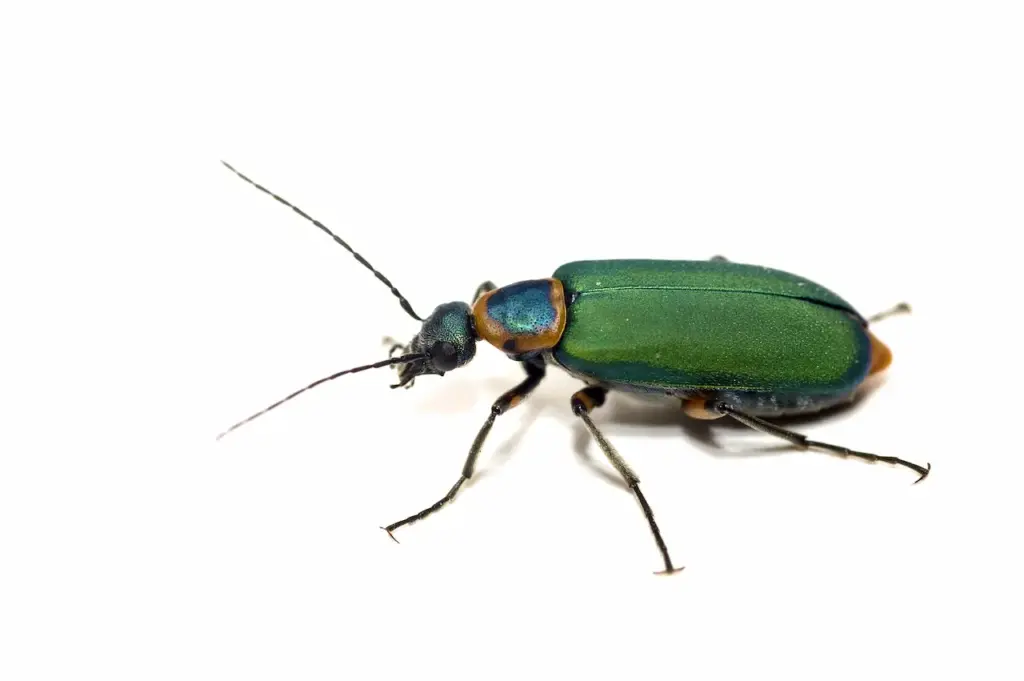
[(534, 374), (483, 288), (395, 347)]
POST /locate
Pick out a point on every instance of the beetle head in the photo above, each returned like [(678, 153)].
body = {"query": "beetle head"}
[(447, 341)]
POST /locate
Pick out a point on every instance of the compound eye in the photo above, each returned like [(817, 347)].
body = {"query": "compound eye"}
[(444, 356)]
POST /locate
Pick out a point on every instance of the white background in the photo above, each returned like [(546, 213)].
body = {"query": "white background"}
[(151, 299)]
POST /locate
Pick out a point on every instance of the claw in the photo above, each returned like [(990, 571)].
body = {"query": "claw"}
[(924, 475), (390, 534), (669, 571)]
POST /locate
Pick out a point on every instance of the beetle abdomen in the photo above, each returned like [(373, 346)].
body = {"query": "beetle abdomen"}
[(709, 326)]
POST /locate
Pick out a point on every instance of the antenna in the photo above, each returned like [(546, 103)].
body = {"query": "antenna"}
[(404, 359), (401, 299)]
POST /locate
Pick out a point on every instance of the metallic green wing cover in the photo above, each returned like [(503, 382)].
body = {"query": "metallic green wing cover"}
[(706, 325)]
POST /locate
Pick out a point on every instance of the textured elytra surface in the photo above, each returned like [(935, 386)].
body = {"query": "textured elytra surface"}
[(709, 326), (706, 275)]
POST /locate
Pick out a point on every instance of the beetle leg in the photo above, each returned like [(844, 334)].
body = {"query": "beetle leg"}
[(697, 408), (534, 374), (394, 345), (803, 442), (902, 308), (483, 288), (583, 402)]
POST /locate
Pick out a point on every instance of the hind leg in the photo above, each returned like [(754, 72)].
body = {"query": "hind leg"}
[(699, 408)]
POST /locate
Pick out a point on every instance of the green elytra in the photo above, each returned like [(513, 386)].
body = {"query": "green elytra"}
[(672, 326), (732, 340)]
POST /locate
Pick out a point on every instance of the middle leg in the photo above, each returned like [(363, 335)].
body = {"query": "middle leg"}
[(585, 401)]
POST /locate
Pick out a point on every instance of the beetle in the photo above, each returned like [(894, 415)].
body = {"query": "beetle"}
[(727, 339)]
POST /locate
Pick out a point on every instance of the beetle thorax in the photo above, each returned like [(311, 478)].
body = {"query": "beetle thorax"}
[(522, 317)]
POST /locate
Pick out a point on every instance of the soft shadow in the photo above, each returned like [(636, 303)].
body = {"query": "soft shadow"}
[(658, 412), (581, 447), (531, 410)]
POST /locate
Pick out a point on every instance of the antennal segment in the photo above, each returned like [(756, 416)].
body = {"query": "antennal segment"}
[(401, 299), (404, 359)]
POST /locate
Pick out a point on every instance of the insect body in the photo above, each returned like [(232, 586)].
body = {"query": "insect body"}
[(726, 339)]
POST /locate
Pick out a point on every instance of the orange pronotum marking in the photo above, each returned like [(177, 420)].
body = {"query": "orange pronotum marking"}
[(497, 335)]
